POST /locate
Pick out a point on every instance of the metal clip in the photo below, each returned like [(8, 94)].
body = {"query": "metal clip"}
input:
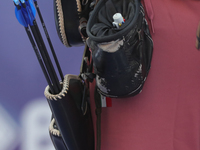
[(139, 34)]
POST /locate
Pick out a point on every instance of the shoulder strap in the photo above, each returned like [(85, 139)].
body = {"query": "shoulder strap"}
[(97, 98)]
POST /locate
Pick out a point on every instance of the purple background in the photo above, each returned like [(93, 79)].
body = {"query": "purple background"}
[(24, 112)]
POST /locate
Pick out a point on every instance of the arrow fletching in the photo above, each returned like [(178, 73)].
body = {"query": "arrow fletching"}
[(25, 12)]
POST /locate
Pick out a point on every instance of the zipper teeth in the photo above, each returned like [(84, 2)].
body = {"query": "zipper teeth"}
[(61, 22)]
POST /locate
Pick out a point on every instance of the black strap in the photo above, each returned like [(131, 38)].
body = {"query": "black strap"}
[(88, 76), (198, 42), (97, 98), (198, 38)]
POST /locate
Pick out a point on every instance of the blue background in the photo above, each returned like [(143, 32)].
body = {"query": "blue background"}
[(24, 112)]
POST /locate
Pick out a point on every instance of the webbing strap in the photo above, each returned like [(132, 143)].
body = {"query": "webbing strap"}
[(97, 98)]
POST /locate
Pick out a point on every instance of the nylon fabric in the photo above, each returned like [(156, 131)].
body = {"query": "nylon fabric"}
[(104, 26)]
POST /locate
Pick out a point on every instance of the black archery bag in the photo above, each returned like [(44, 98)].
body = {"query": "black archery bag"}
[(121, 56)]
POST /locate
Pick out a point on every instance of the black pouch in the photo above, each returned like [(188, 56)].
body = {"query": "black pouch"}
[(71, 18), (121, 56)]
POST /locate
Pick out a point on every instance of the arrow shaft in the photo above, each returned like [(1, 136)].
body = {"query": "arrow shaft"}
[(49, 40), (45, 56), (26, 16), (39, 58)]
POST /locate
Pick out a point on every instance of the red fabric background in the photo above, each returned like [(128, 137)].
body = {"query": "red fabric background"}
[(166, 115)]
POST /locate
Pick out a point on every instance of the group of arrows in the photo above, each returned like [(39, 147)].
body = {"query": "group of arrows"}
[(25, 11)]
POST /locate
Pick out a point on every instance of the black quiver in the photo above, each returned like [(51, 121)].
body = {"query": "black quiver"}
[(71, 127)]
